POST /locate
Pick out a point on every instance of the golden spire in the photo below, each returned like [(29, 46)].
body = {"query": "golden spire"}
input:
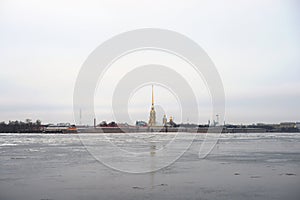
[(152, 96), (152, 118)]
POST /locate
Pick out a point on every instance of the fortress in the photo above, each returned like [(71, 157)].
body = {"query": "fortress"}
[(152, 118)]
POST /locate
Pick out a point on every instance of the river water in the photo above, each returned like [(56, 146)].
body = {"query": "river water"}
[(66, 166)]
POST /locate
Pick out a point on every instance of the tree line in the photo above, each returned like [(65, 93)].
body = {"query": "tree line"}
[(21, 127)]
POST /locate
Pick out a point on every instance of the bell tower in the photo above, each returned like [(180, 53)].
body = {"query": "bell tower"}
[(152, 118)]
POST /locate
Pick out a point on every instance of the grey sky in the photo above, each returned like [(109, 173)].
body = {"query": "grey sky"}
[(255, 46)]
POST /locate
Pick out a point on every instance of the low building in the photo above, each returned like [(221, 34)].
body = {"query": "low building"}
[(287, 125), (60, 128), (298, 125), (141, 123)]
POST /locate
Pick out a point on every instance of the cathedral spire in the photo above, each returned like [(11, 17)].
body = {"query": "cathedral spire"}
[(152, 117), (152, 96)]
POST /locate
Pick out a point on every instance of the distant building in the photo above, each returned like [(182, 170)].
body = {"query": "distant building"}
[(60, 128), (287, 125), (298, 125), (152, 118), (171, 120), (169, 123), (63, 124), (123, 125), (165, 120), (141, 123)]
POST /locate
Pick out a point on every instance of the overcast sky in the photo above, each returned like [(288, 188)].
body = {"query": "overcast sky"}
[(255, 46)]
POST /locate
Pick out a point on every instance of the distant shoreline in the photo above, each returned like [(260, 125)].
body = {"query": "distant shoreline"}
[(38, 127), (103, 130)]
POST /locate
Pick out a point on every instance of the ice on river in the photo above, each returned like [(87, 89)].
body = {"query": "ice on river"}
[(94, 166)]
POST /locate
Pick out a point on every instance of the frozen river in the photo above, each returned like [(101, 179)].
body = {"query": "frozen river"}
[(58, 166)]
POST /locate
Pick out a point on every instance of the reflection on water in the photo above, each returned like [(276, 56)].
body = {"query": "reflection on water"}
[(152, 153)]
